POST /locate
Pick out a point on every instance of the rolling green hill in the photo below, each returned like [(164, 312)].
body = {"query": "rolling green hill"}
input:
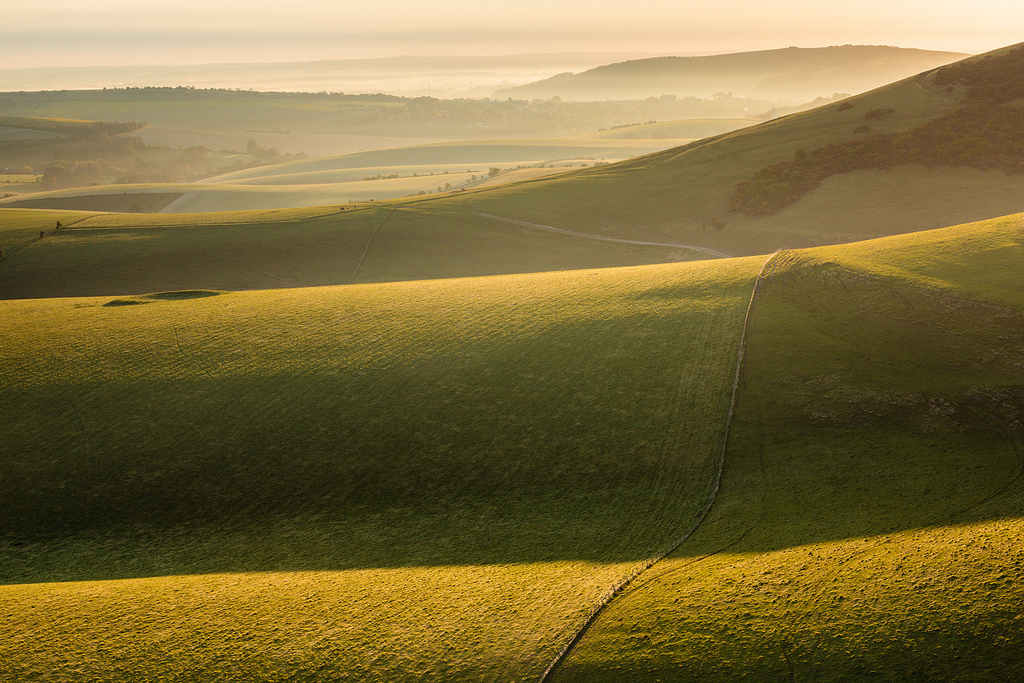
[(669, 205), (871, 514), (380, 482), (794, 74), (687, 195), (454, 154), (443, 479), (20, 227)]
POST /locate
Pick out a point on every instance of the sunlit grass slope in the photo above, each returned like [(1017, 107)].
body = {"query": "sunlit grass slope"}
[(134, 254), (870, 524), (379, 482)]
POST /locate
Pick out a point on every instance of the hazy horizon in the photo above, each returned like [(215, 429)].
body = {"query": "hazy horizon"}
[(62, 33)]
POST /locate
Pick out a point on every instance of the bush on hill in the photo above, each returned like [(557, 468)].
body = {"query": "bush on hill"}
[(985, 134), (879, 113), (990, 80)]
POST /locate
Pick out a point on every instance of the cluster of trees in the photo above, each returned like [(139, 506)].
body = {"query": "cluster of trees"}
[(270, 155), (192, 163), (87, 153), (979, 136), (879, 113), (101, 131), (64, 174), (118, 161), (61, 174), (380, 114), (989, 80)]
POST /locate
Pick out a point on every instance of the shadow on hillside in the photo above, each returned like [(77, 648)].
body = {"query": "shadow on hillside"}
[(868, 407), (845, 483)]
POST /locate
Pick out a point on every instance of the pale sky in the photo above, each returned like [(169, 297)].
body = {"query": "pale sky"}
[(116, 32)]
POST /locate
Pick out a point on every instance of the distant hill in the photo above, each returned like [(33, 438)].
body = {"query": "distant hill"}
[(687, 194), (790, 74)]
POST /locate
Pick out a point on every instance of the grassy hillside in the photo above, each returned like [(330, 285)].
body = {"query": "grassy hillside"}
[(455, 154), (792, 73), (871, 516), (377, 482), (442, 479), (685, 194), (678, 198), (133, 254), (984, 134)]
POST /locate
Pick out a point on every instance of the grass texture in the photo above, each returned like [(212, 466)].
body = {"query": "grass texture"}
[(871, 515), (378, 482), (134, 254)]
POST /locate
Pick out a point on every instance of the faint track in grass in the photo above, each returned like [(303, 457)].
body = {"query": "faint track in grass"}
[(369, 243), (600, 238), (610, 596)]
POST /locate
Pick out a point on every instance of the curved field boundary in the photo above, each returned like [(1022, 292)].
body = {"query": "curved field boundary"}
[(638, 571), (601, 238)]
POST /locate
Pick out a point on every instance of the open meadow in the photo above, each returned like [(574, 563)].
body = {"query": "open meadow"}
[(370, 482), (117, 253), (444, 479)]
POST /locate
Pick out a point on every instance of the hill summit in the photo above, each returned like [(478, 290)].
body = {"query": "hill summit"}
[(791, 74)]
